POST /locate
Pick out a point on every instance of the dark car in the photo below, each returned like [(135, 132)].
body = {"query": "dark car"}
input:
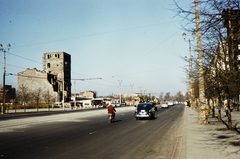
[(145, 110), (153, 105)]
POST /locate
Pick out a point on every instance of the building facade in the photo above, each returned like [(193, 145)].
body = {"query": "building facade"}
[(232, 23), (10, 93), (59, 64), (35, 80)]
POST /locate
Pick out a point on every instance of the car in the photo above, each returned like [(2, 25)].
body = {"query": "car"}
[(164, 105), (123, 104), (176, 102), (170, 103), (58, 104), (102, 105), (116, 104), (144, 110), (153, 105)]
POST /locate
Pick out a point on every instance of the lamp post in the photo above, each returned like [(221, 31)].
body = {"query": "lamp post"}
[(191, 81), (4, 74)]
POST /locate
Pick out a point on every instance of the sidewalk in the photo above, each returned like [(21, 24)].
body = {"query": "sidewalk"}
[(212, 141), (34, 110)]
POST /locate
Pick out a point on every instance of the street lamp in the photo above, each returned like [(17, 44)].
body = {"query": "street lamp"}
[(4, 74), (191, 81)]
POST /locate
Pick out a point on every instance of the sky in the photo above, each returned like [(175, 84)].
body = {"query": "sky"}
[(134, 46)]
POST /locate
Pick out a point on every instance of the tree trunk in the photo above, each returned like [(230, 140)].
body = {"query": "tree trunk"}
[(219, 115), (219, 109), (37, 106), (213, 112), (24, 107), (229, 118)]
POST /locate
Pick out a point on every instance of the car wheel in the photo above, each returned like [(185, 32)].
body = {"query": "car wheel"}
[(137, 118)]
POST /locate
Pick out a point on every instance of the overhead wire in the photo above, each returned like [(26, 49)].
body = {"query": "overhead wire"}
[(150, 51), (23, 57), (95, 35)]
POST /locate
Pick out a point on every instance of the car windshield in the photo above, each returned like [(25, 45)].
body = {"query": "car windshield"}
[(143, 107)]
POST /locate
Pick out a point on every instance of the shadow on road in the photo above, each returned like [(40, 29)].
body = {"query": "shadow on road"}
[(115, 121)]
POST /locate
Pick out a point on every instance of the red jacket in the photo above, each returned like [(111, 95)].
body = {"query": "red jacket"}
[(111, 109)]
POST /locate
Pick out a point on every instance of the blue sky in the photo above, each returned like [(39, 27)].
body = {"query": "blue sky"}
[(136, 42)]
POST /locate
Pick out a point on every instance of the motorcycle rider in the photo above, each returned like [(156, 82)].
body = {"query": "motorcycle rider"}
[(111, 110)]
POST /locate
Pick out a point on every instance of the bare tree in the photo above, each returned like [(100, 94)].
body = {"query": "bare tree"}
[(23, 95), (167, 96), (37, 96), (214, 36), (48, 98), (179, 96)]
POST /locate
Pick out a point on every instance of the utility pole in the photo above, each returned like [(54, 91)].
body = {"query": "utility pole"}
[(140, 90), (131, 85), (120, 81), (202, 101), (63, 85), (63, 94), (80, 79), (191, 80), (4, 74)]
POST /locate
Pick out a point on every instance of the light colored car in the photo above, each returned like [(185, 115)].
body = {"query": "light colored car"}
[(116, 104), (164, 105), (102, 105), (170, 103)]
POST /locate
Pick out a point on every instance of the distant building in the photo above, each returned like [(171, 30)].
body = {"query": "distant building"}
[(59, 64), (88, 94), (10, 93), (34, 80), (232, 23)]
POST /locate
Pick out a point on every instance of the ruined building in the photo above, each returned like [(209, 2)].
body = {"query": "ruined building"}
[(59, 64), (52, 80), (33, 81)]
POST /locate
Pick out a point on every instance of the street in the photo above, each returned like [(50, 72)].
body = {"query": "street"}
[(87, 134)]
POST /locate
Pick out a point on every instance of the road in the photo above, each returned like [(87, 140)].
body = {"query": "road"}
[(87, 134)]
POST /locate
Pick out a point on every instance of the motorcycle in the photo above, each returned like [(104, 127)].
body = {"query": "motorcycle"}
[(111, 117)]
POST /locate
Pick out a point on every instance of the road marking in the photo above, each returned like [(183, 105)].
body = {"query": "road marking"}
[(93, 132)]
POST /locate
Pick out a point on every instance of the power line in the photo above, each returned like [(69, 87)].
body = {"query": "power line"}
[(150, 50), (13, 65), (94, 34), (24, 58), (83, 79)]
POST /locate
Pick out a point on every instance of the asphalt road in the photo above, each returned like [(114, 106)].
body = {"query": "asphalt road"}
[(87, 134)]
